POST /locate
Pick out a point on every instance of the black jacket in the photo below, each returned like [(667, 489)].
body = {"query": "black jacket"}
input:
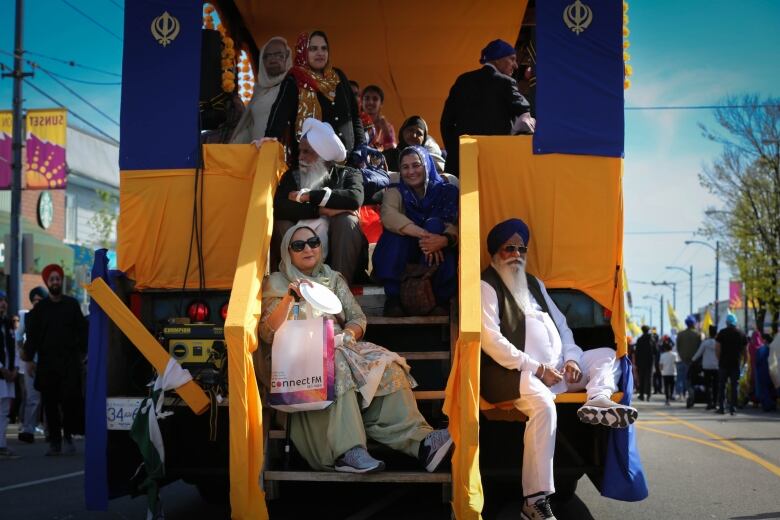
[(646, 350), (481, 102), (7, 345), (341, 113), (346, 186)]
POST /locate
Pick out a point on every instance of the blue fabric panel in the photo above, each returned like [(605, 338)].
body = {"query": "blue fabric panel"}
[(160, 85), (95, 464), (579, 92), (624, 477)]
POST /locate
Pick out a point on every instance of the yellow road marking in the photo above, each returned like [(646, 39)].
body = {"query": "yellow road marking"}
[(736, 448), (684, 437), (655, 423)]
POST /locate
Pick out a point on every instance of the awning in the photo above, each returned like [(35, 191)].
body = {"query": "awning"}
[(47, 249)]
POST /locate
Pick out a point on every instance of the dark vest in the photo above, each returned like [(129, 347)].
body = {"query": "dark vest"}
[(496, 383)]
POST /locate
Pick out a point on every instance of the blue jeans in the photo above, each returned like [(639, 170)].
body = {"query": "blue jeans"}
[(682, 384)]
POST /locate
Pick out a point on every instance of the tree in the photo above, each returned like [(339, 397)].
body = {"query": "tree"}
[(104, 219), (746, 179)]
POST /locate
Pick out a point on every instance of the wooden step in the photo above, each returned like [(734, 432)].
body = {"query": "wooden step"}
[(428, 395), (426, 356), (420, 477), (408, 320)]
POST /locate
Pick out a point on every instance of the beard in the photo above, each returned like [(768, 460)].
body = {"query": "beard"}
[(55, 290), (313, 174), (512, 273)]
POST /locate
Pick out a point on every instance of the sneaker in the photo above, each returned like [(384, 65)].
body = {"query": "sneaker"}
[(358, 460), (55, 449), (604, 411), (7, 454), (27, 437), (720, 411), (434, 448), (539, 510), (667, 403), (690, 401)]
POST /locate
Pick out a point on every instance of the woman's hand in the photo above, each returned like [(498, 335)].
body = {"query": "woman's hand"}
[(296, 287), (260, 142), (431, 243), (434, 258)]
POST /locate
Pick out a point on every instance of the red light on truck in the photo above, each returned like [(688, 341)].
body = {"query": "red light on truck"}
[(198, 311)]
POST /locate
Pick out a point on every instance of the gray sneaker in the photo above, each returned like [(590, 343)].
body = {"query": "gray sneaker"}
[(539, 510), (602, 410), (434, 448), (358, 460)]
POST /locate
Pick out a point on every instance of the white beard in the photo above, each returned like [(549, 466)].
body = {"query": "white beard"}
[(313, 175), (512, 273)]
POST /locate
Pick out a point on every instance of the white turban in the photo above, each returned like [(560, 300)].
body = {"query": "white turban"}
[(323, 139)]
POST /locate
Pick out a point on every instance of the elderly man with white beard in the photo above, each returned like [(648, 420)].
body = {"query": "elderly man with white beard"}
[(529, 355), (325, 196)]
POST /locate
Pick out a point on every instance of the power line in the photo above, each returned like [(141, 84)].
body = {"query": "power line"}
[(79, 96), (699, 107), (84, 81), (70, 63), (117, 4), (88, 17)]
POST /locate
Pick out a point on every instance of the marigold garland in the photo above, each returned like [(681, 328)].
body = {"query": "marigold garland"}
[(228, 58), (628, 70)]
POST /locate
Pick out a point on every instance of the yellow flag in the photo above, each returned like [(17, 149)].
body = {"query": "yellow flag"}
[(706, 322), (674, 321)]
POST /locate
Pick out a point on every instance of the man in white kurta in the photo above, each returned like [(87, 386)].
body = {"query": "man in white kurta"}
[(544, 353)]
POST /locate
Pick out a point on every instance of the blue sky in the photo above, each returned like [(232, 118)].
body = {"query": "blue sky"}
[(691, 52)]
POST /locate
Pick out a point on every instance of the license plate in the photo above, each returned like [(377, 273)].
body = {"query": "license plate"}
[(121, 411)]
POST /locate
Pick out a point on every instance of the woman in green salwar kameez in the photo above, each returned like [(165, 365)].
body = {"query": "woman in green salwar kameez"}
[(373, 386)]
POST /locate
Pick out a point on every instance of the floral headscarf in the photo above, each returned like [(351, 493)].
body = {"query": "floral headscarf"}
[(278, 282), (310, 82)]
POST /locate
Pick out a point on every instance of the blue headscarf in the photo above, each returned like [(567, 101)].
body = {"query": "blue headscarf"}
[(440, 199)]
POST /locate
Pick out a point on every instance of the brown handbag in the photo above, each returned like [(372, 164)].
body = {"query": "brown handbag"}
[(417, 298)]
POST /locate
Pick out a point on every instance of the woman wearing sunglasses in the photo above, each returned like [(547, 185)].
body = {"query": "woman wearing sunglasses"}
[(372, 385)]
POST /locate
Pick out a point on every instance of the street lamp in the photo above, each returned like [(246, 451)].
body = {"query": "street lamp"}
[(673, 285), (659, 299), (689, 272), (717, 269)]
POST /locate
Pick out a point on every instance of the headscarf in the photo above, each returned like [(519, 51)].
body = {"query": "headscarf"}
[(440, 199), (503, 231), (310, 82), (496, 50), (278, 282), (264, 81), (412, 121)]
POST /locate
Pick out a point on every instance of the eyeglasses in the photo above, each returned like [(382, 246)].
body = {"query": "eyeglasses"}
[(513, 249), (274, 55), (299, 245)]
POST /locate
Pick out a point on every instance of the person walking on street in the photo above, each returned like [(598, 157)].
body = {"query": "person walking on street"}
[(31, 401), (8, 374), (709, 363), (730, 348), (644, 358), (688, 342), (57, 333), (668, 363)]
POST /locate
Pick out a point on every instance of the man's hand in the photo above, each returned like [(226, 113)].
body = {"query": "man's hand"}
[(548, 375), (572, 371), (293, 196)]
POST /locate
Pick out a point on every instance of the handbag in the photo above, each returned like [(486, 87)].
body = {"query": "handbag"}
[(302, 366), (416, 292)]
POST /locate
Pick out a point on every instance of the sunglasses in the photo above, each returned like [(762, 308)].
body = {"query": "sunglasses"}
[(299, 245), (513, 249)]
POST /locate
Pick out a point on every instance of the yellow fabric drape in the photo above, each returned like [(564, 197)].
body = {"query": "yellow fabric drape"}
[(155, 220), (247, 499), (573, 206), (413, 50)]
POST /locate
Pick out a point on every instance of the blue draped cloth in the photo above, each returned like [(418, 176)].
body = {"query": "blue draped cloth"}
[(96, 434), (624, 477), (432, 212)]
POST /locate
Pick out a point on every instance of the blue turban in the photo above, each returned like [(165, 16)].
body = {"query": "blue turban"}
[(38, 291), (503, 231), (690, 321), (496, 50), (731, 320), (3, 295)]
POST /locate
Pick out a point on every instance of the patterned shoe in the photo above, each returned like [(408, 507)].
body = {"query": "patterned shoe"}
[(539, 510), (604, 411), (358, 460), (434, 449)]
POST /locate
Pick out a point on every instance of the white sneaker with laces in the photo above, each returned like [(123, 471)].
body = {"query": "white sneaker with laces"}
[(603, 410), (539, 510)]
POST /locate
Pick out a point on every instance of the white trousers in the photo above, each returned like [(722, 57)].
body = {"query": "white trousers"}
[(31, 406), (5, 409), (600, 371)]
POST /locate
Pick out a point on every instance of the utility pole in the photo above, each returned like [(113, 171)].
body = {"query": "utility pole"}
[(717, 280), (14, 266), (673, 285), (689, 272)]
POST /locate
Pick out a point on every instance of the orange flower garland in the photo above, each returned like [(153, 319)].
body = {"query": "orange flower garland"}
[(628, 70), (246, 77), (228, 51)]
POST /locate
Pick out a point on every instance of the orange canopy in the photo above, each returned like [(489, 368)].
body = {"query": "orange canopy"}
[(413, 50)]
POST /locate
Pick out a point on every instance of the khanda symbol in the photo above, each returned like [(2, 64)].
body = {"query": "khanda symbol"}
[(577, 17), (165, 28)]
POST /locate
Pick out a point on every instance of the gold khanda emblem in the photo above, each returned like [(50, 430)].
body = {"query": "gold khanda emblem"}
[(165, 28), (577, 17)]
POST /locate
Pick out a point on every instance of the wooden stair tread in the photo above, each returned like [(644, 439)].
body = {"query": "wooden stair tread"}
[(425, 356), (408, 320), (428, 395), (422, 477)]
